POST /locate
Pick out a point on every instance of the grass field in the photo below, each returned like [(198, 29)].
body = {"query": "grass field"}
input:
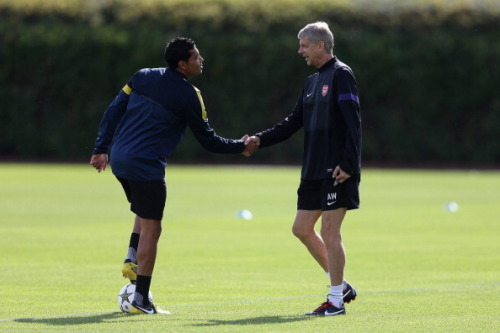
[(417, 267)]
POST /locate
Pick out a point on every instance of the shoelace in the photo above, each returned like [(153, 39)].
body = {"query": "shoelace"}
[(323, 306)]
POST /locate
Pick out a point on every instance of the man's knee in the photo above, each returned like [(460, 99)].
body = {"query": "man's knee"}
[(151, 227), (303, 226), (301, 231)]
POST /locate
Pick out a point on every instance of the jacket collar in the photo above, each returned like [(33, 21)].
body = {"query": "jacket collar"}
[(328, 64)]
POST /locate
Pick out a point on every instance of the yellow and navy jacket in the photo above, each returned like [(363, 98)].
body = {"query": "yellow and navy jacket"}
[(328, 109), (146, 121)]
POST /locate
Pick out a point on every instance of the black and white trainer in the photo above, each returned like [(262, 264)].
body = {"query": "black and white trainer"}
[(349, 294), (149, 309), (327, 309)]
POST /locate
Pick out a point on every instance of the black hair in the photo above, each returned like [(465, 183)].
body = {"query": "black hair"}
[(178, 49)]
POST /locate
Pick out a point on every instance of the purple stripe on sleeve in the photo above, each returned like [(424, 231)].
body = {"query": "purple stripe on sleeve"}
[(348, 97)]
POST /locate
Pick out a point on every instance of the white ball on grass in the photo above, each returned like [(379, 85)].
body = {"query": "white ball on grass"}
[(451, 207), (126, 296), (245, 214)]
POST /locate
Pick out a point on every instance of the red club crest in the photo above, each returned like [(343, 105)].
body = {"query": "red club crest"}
[(324, 91)]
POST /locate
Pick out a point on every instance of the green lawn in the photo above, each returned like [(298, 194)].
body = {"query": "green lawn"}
[(418, 268)]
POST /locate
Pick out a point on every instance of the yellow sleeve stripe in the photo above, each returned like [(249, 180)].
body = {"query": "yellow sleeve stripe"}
[(203, 111), (126, 89)]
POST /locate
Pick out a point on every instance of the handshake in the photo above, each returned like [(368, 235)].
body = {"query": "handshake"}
[(251, 144)]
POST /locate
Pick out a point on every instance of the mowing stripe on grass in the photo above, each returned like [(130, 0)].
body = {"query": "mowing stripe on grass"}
[(274, 299)]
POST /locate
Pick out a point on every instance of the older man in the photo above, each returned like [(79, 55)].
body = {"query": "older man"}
[(328, 110)]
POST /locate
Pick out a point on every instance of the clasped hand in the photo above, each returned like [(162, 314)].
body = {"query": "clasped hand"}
[(251, 144)]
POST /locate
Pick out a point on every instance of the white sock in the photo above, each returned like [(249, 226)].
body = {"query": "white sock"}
[(131, 255), (344, 281), (335, 296)]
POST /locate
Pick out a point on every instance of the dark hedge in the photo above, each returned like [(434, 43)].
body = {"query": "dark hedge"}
[(428, 76)]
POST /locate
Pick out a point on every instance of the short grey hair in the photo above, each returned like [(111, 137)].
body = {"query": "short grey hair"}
[(318, 32)]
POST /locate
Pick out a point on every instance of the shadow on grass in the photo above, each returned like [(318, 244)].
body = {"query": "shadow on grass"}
[(109, 317), (255, 321), (72, 320)]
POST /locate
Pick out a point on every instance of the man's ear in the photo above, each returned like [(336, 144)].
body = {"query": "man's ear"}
[(182, 65)]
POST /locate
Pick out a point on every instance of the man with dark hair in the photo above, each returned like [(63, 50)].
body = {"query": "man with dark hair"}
[(328, 110), (177, 50), (142, 126)]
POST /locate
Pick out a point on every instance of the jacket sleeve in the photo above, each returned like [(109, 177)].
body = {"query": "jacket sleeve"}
[(197, 120), (348, 102), (284, 129), (110, 120)]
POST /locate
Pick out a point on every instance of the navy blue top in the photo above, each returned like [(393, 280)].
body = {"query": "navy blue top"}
[(328, 110), (146, 121)]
